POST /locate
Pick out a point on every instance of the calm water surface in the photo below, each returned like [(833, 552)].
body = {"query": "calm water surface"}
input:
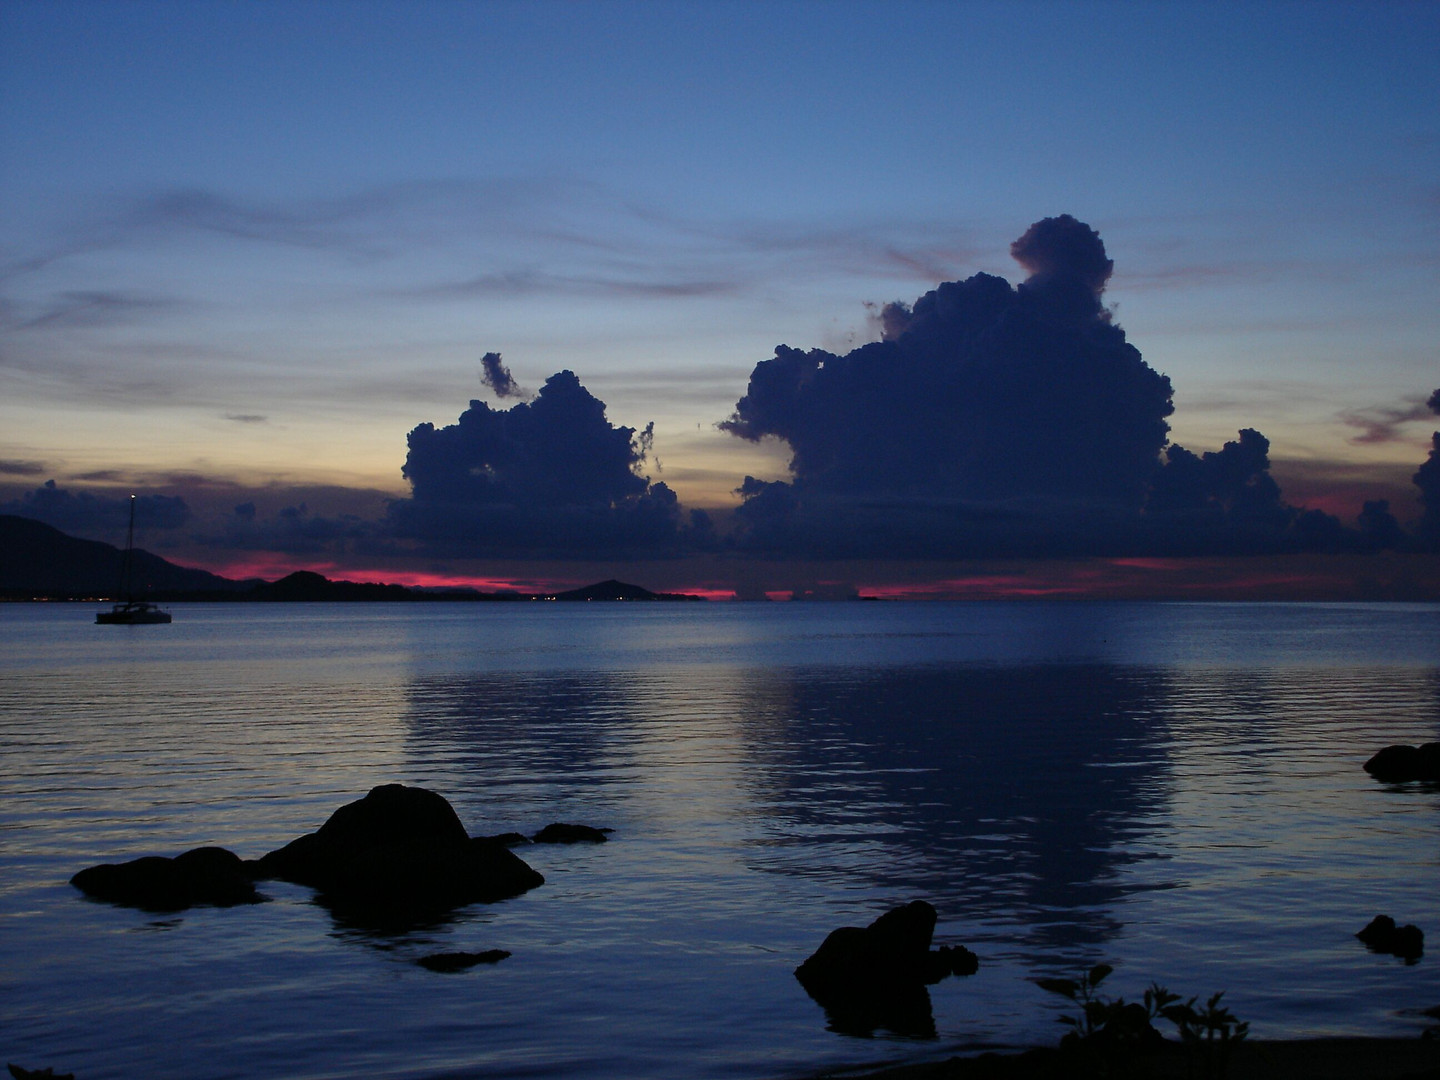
[(1174, 789)]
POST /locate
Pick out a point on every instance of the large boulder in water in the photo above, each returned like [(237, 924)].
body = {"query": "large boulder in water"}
[(1400, 763), (399, 850), (206, 875), (876, 976)]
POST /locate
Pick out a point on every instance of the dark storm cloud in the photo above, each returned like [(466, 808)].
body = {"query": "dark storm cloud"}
[(993, 419), (497, 377), (989, 415), (87, 514), (549, 477)]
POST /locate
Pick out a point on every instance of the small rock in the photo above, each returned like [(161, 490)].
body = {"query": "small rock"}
[(1400, 763), (559, 833), (46, 1073), (506, 839), (460, 961), (207, 875)]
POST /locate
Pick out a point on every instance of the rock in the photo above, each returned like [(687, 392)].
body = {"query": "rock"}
[(1383, 936), (1400, 763), (959, 960), (507, 839), (559, 833), (460, 961), (894, 949), (207, 875), (876, 976), (399, 850), (46, 1073)]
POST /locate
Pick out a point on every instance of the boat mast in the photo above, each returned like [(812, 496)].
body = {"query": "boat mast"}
[(129, 548)]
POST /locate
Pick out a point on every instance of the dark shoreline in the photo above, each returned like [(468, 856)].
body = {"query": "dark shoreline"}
[(1328, 1058)]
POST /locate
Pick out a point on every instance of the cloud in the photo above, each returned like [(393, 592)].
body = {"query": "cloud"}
[(988, 415), (550, 478), (95, 308), (497, 377), (999, 420), (1382, 424), (84, 513), (516, 283), (245, 418), (293, 529), (22, 468)]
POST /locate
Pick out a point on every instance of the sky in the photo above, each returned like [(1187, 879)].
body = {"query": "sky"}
[(254, 257)]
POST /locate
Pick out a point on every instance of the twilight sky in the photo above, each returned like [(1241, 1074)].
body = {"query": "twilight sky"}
[(246, 249)]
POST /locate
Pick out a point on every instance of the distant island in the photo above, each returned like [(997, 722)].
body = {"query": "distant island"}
[(38, 562)]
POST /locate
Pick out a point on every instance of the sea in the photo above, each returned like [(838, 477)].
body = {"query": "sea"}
[(1172, 789)]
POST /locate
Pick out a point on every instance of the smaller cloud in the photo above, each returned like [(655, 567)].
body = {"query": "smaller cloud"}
[(21, 468), (95, 308), (1382, 423), (549, 477), (497, 377), (246, 418)]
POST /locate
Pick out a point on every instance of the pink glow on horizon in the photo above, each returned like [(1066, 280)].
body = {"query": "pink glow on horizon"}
[(272, 567)]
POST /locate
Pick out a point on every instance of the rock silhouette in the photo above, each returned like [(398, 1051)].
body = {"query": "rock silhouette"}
[(1383, 936), (461, 961), (560, 833), (876, 977), (206, 875), (399, 851), (1401, 763)]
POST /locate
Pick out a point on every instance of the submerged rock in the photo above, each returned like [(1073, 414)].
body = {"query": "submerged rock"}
[(1383, 936), (399, 850), (1400, 763), (876, 976), (560, 833), (206, 875), (461, 961)]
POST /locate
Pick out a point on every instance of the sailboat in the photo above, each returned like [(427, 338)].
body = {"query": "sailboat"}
[(131, 612)]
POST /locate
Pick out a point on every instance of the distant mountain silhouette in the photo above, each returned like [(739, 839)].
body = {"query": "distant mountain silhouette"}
[(619, 590), (308, 585), (40, 561)]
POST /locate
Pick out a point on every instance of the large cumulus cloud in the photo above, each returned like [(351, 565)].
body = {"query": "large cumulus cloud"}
[(549, 477), (990, 417)]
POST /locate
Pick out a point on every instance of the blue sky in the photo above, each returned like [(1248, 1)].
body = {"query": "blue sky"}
[(246, 247)]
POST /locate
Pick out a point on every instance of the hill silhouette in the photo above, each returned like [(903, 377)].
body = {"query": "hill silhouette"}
[(38, 562)]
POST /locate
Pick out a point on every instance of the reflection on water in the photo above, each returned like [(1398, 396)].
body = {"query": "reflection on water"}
[(1171, 788), (1011, 789)]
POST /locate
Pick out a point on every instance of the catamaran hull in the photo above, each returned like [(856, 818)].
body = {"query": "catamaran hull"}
[(132, 615)]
